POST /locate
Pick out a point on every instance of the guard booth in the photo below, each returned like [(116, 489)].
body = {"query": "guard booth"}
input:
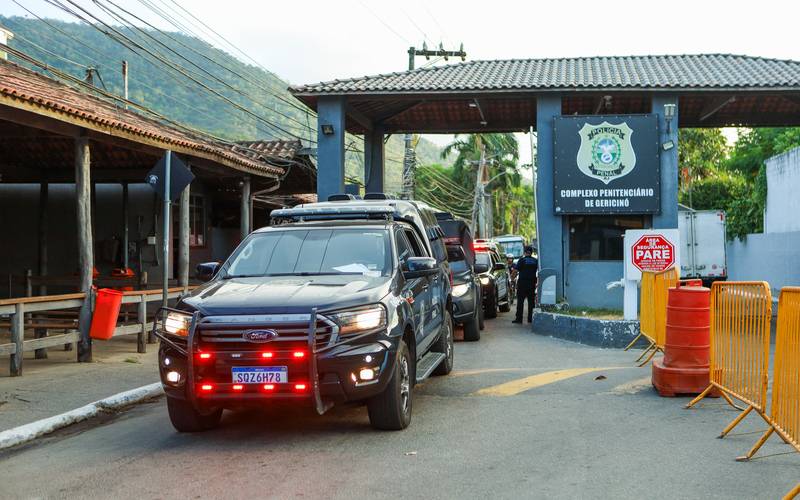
[(606, 157)]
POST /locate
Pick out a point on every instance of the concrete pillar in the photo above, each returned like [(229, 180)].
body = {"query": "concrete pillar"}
[(183, 239), (83, 189), (668, 218), (551, 248), (244, 217), (374, 161), (331, 112)]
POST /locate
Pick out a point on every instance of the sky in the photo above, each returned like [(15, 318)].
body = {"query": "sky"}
[(323, 40)]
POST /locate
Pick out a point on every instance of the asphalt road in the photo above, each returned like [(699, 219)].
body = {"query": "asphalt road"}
[(481, 432)]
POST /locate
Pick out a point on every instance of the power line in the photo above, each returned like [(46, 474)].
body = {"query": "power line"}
[(376, 16), (138, 48)]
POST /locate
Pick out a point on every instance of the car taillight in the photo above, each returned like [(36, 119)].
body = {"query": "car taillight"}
[(238, 387), (204, 355), (300, 387), (267, 355), (269, 387), (298, 354), (206, 387)]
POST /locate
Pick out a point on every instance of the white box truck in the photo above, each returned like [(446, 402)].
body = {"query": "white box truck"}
[(702, 235)]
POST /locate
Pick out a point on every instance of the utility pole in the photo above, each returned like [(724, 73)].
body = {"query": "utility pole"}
[(477, 203), (125, 80), (409, 155)]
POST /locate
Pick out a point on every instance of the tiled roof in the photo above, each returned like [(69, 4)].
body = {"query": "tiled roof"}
[(680, 72), (35, 92), (286, 149)]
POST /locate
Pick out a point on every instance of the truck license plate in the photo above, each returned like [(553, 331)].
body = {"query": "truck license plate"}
[(260, 375)]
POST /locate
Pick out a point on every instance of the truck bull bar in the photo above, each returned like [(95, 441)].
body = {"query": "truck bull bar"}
[(319, 405)]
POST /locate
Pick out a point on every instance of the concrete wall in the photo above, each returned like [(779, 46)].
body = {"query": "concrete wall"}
[(586, 284), (783, 186), (771, 257)]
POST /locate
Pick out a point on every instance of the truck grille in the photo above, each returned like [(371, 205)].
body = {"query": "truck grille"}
[(227, 333)]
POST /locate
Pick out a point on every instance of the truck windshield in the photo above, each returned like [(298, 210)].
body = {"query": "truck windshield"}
[(515, 248), (313, 252)]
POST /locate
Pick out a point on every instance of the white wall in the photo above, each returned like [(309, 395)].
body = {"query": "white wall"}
[(770, 257), (783, 193)]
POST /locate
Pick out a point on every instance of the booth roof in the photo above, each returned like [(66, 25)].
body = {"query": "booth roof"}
[(680, 72), (715, 90)]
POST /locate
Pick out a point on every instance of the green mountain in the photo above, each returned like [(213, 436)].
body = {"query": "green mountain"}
[(223, 103)]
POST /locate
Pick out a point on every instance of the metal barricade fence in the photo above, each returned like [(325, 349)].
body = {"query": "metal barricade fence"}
[(784, 415), (653, 310), (740, 332)]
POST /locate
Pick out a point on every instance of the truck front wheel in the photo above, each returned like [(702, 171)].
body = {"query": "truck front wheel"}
[(186, 418), (391, 409)]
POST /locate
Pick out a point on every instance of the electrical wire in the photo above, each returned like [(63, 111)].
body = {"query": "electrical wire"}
[(138, 48)]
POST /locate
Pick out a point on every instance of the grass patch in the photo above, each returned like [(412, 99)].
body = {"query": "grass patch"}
[(588, 312)]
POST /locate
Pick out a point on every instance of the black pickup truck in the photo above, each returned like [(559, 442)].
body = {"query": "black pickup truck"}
[(338, 301)]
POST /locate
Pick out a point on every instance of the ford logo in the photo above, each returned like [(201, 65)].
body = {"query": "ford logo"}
[(260, 335)]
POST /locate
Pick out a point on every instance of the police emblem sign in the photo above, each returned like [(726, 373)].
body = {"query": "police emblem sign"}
[(606, 164)]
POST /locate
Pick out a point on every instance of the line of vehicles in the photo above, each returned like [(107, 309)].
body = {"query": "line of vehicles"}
[(342, 301)]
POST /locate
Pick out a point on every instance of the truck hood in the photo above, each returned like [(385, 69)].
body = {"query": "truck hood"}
[(285, 294)]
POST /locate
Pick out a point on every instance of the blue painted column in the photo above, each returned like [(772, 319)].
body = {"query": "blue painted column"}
[(331, 111), (668, 218), (549, 225), (374, 160)]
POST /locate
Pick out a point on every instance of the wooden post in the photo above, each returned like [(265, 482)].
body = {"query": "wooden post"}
[(183, 239), (17, 338), (245, 208), (142, 338), (44, 193), (83, 190), (125, 225)]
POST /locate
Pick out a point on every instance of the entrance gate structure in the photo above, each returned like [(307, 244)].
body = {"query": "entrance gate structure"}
[(606, 137)]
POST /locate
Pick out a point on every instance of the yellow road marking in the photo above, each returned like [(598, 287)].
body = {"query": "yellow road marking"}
[(464, 373), (515, 387)]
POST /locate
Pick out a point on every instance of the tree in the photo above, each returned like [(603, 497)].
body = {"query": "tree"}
[(700, 154)]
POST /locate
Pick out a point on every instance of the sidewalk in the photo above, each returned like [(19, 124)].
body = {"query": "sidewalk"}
[(60, 384)]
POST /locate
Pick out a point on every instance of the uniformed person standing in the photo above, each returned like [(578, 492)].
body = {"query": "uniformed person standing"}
[(527, 267)]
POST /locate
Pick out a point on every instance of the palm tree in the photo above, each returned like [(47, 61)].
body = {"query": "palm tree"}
[(502, 160)]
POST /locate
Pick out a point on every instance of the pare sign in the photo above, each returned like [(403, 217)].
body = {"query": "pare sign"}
[(650, 250)]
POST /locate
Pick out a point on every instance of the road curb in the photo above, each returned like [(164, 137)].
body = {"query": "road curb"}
[(29, 432)]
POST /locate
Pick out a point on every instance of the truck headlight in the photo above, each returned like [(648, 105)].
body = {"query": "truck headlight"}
[(484, 281), (460, 290), (177, 323), (360, 320)]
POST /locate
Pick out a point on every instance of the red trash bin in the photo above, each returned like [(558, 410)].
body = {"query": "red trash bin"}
[(106, 311)]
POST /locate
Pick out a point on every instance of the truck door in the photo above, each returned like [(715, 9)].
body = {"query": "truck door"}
[(430, 320), (416, 291)]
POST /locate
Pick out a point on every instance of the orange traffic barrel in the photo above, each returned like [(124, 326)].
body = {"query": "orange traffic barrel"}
[(106, 312), (684, 368), (688, 327)]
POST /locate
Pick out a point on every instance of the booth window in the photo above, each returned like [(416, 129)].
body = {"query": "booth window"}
[(599, 237), (197, 221)]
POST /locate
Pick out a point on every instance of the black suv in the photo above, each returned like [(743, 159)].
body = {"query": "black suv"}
[(495, 281), (467, 302), (338, 301)]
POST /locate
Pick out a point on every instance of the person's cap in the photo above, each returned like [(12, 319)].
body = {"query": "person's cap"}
[(528, 249)]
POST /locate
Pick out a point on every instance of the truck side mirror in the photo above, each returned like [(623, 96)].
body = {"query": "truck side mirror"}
[(498, 266), (206, 270), (417, 267), (481, 268)]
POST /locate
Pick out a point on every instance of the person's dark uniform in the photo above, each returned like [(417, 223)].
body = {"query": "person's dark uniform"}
[(527, 266)]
